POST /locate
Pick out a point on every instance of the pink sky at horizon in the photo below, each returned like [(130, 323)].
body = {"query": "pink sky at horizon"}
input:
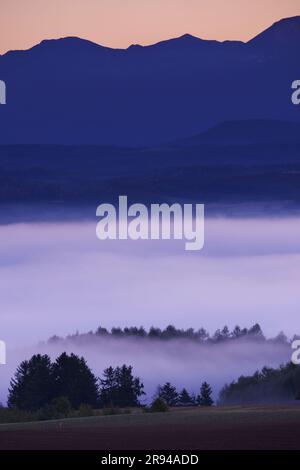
[(119, 23)]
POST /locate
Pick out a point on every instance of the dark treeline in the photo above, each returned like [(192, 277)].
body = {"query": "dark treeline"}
[(54, 389), (171, 397), (269, 385), (41, 389), (170, 332), (38, 381)]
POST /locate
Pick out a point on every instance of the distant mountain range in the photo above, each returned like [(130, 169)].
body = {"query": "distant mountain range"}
[(246, 133), (234, 162), (72, 91)]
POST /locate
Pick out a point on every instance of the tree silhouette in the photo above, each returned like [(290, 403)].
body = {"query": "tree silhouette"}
[(185, 398), (75, 381), (170, 332), (158, 406), (204, 399), (266, 386), (256, 332), (168, 393), (32, 386), (119, 387)]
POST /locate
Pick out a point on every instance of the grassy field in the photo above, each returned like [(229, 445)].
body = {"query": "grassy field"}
[(180, 429)]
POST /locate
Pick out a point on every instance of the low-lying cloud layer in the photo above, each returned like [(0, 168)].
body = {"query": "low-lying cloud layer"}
[(185, 363), (59, 278)]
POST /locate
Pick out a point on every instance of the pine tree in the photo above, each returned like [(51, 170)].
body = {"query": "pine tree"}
[(108, 387), (119, 387), (168, 393), (130, 388), (75, 381), (185, 398), (204, 399), (256, 332), (225, 333), (33, 384)]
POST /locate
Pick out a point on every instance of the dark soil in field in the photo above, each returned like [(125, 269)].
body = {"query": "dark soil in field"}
[(159, 437), (184, 432)]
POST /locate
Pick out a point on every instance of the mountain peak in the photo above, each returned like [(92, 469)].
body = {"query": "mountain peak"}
[(68, 42), (281, 33), (184, 41), (189, 37)]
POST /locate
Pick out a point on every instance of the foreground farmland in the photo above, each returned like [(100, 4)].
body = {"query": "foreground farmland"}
[(185, 429)]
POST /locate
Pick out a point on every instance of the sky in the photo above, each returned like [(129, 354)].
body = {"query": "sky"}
[(119, 23)]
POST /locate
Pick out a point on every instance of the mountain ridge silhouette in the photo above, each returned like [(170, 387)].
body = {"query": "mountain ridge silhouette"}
[(285, 23), (75, 92)]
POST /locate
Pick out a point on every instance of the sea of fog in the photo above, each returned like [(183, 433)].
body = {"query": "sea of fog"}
[(57, 278)]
